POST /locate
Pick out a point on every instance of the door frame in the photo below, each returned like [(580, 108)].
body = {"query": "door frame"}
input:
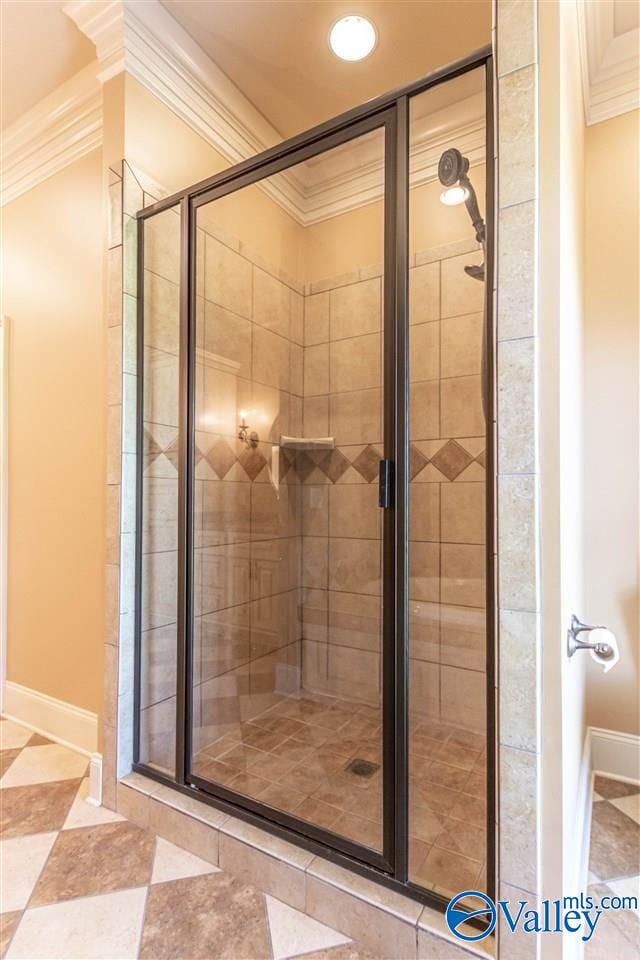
[(390, 111)]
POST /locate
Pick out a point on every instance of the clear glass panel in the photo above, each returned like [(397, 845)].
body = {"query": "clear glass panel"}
[(447, 429), (160, 490), (287, 563)]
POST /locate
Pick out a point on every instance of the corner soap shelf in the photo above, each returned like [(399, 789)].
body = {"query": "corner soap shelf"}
[(308, 443)]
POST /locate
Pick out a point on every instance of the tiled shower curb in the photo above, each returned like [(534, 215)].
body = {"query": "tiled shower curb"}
[(389, 924)]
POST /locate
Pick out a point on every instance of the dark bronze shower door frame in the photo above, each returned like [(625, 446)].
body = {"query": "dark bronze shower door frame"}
[(391, 114)]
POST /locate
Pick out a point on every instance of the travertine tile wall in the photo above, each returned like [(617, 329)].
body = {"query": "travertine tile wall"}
[(341, 522), (519, 652)]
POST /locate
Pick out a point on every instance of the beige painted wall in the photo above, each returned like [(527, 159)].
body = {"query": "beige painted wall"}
[(612, 292), (52, 275)]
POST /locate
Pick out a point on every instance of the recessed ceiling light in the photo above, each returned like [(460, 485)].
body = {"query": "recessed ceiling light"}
[(352, 38), (454, 195)]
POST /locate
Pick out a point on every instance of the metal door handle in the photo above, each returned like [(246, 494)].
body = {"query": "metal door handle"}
[(604, 650)]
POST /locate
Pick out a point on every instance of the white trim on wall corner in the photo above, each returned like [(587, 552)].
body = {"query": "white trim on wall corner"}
[(63, 722), (610, 62), (615, 754)]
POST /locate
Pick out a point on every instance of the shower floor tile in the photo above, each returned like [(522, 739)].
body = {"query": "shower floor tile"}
[(296, 757)]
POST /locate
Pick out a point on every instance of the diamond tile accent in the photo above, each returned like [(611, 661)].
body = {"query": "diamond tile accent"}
[(417, 461), (367, 463), (304, 465), (481, 458), (221, 457), (334, 464), (252, 462), (172, 453), (451, 459)]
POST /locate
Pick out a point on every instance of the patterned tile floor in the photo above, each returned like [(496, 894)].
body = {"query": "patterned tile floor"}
[(78, 881), (614, 866), (296, 757)]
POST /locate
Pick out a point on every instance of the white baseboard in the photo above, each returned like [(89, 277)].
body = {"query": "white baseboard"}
[(615, 754), (63, 722), (94, 796)]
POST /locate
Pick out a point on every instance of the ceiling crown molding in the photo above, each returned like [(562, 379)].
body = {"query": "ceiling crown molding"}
[(610, 62), (62, 128)]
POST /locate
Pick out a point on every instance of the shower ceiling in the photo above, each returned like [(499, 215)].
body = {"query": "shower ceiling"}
[(278, 54)]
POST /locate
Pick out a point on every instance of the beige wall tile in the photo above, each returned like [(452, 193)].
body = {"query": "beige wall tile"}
[(354, 511), (228, 336), (384, 934), (226, 576), (271, 303), (356, 417), (112, 524), (354, 673), (461, 413), (516, 406), (424, 571), (424, 631), (161, 313), (355, 620), (315, 562), (296, 370), (316, 370), (159, 588), (424, 511), (158, 734), (461, 294), (297, 317), (162, 245), (424, 351), (270, 359), (316, 319), (161, 374), (185, 831), (114, 443), (114, 286), (227, 511), (355, 310), (133, 805), (112, 603), (314, 665), (424, 293), (463, 636), (463, 512), (158, 666), (114, 365), (316, 416), (462, 697), (518, 813), (355, 363), (227, 278), (516, 278), (461, 345), (517, 543), (315, 510), (273, 876), (463, 574), (424, 410), (355, 566), (517, 33), (518, 679), (517, 136), (424, 689)]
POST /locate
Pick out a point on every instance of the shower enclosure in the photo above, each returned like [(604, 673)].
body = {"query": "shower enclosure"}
[(315, 548)]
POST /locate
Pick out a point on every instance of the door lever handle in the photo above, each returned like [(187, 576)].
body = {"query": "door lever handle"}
[(604, 650), (384, 484)]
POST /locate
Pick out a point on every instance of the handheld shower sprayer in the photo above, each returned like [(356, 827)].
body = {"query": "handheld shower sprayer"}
[(453, 170)]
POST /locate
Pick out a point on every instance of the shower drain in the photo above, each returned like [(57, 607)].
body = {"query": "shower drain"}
[(362, 768)]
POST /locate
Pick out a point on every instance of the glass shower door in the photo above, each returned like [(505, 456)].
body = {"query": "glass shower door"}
[(286, 690)]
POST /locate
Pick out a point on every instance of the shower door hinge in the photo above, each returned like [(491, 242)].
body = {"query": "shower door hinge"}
[(384, 484)]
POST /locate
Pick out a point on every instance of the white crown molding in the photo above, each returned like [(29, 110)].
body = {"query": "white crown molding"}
[(63, 127), (610, 63), (144, 40)]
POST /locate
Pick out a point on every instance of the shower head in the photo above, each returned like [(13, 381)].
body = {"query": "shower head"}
[(452, 167)]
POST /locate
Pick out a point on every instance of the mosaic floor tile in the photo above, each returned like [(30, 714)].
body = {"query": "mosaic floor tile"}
[(84, 814), (44, 764), (172, 863), (92, 860), (294, 933), (13, 735), (21, 861), (92, 928), (37, 808), (205, 917)]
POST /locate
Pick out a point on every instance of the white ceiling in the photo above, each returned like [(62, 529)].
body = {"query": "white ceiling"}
[(277, 51), (41, 48)]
